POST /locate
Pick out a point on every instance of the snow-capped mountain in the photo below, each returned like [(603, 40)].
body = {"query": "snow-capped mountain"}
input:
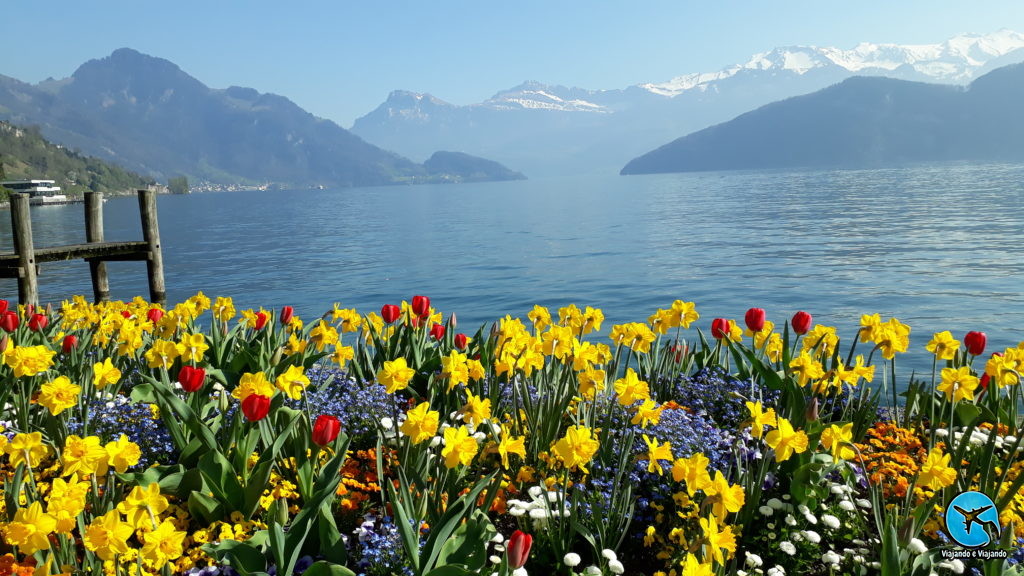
[(957, 60), (549, 129)]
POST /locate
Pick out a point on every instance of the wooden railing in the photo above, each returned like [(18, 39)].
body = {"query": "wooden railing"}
[(23, 264)]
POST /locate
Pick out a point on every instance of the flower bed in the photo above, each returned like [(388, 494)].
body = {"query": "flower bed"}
[(202, 440)]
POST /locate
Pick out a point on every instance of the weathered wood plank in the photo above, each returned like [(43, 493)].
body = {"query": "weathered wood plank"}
[(94, 235), (104, 251), (151, 234), (24, 256)]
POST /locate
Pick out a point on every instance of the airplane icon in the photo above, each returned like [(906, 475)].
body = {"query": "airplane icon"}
[(971, 517)]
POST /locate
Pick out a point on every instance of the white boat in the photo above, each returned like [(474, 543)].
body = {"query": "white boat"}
[(40, 192)]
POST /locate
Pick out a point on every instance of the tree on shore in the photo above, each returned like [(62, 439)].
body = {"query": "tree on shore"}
[(178, 185)]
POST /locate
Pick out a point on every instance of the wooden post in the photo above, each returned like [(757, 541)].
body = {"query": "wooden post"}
[(151, 234), (94, 234), (21, 222)]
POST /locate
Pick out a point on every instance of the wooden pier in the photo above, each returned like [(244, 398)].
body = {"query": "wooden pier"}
[(23, 264)]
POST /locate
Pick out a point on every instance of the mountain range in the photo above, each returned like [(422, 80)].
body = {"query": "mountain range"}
[(861, 122), (547, 129), (148, 115)]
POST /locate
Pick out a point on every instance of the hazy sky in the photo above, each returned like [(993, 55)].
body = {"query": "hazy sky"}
[(340, 59)]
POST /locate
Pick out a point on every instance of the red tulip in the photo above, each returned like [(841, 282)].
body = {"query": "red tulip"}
[(420, 305), (518, 549), (975, 343), (255, 407), (985, 378), (38, 322), (437, 331), (801, 322), (126, 314), (261, 320), (460, 341), (390, 313), (325, 429), (9, 321), (70, 343), (192, 379), (719, 328), (286, 315), (755, 319), (680, 350), (3, 306), (154, 315)]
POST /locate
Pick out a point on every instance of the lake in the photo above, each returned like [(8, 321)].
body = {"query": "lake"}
[(939, 247)]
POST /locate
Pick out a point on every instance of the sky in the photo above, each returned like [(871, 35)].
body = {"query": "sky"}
[(340, 59)]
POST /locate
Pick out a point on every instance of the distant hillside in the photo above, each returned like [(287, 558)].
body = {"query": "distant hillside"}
[(459, 167), (25, 154), (145, 113), (861, 122)]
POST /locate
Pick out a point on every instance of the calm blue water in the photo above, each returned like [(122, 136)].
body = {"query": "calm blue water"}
[(938, 247)]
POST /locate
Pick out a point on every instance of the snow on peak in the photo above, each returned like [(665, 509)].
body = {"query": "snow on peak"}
[(537, 96), (958, 60)]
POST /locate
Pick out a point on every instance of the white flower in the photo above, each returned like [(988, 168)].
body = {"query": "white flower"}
[(495, 559), (571, 559), (917, 547), (386, 423), (766, 510), (499, 548), (776, 571), (831, 557), (776, 504), (796, 537), (847, 505), (787, 547), (592, 571), (535, 491), (498, 538), (521, 571), (479, 436), (753, 560), (830, 521), (863, 503), (609, 554), (616, 567), (812, 536), (538, 513), (837, 489), (790, 520)]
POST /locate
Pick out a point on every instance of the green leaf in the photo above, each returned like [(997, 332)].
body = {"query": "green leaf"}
[(207, 509), (221, 480), (321, 568), (244, 557)]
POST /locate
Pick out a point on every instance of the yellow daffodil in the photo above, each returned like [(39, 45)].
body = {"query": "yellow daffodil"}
[(936, 473), (253, 384), (476, 410), (649, 412), (31, 528), (459, 447), (576, 448), (108, 535), (759, 418), (631, 389), (724, 498), (943, 345), (420, 423), (656, 453), (839, 441), (693, 471), (59, 394), (958, 384), (786, 441), (292, 382), (104, 374), (395, 375)]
